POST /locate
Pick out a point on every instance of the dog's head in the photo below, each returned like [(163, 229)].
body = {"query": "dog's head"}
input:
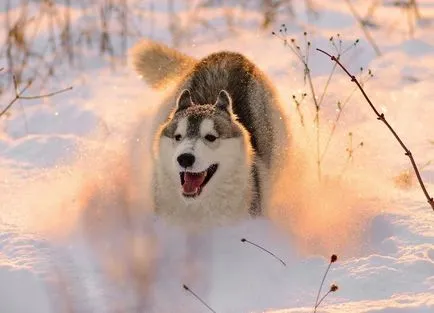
[(203, 146)]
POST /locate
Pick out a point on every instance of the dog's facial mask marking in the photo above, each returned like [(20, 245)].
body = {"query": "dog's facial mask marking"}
[(180, 130), (209, 134), (203, 133), (194, 179)]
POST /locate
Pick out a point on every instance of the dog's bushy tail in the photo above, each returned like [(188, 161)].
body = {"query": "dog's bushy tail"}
[(158, 64)]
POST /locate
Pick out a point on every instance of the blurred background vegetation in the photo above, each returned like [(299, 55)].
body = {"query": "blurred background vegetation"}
[(42, 39)]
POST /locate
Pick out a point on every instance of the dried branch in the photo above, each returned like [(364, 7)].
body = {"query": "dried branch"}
[(297, 106), (19, 95), (350, 152), (415, 7), (46, 95), (341, 106), (363, 27), (371, 9), (265, 250), (304, 59), (381, 117), (197, 297), (333, 288)]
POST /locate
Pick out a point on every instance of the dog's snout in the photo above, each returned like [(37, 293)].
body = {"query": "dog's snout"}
[(186, 160)]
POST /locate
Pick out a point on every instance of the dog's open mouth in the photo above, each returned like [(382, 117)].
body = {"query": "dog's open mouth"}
[(193, 183)]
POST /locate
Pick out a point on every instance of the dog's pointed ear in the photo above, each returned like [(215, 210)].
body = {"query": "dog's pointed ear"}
[(224, 101), (184, 100)]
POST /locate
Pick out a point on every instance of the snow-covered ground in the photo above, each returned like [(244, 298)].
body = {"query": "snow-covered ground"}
[(58, 254)]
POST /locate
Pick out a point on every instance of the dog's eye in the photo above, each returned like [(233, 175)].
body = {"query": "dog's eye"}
[(210, 138), (178, 137)]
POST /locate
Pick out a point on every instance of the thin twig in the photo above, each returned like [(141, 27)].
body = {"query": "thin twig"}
[(350, 150), (322, 283), (333, 288), (381, 117), (409, 20), (46, 95), (304, 59), (333, 259), (415, 7), (317, 106), (297, 106), (341, 107), (371, 9), (263, 249), (363, 27), (197, 297), (317, 109), (322, 299), (18, 95), (329, 79)]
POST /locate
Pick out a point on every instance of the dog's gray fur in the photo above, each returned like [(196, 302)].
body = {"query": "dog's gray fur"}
[(228, 95)]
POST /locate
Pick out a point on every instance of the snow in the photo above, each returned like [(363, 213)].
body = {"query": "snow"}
[(60, 253)]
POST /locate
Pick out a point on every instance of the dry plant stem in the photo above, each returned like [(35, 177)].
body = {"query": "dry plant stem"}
[(265, 250), (363, 27), (415, 7), (327, 84), (317, 108), (304, 60), (321, 300), (335, 123), (197, 297), (381, 117), (319, 156), (300, 114), (46, 95), (320, 287), (410, 22), (371, 9), (350, 156), (18, 95)]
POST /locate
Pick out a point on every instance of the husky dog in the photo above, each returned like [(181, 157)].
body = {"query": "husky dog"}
[(219, 137)]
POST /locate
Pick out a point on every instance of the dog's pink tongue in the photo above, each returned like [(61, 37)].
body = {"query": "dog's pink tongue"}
[(192, 182)]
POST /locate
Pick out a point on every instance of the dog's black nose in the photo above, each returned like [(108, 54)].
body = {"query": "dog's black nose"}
[(186, 160)]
